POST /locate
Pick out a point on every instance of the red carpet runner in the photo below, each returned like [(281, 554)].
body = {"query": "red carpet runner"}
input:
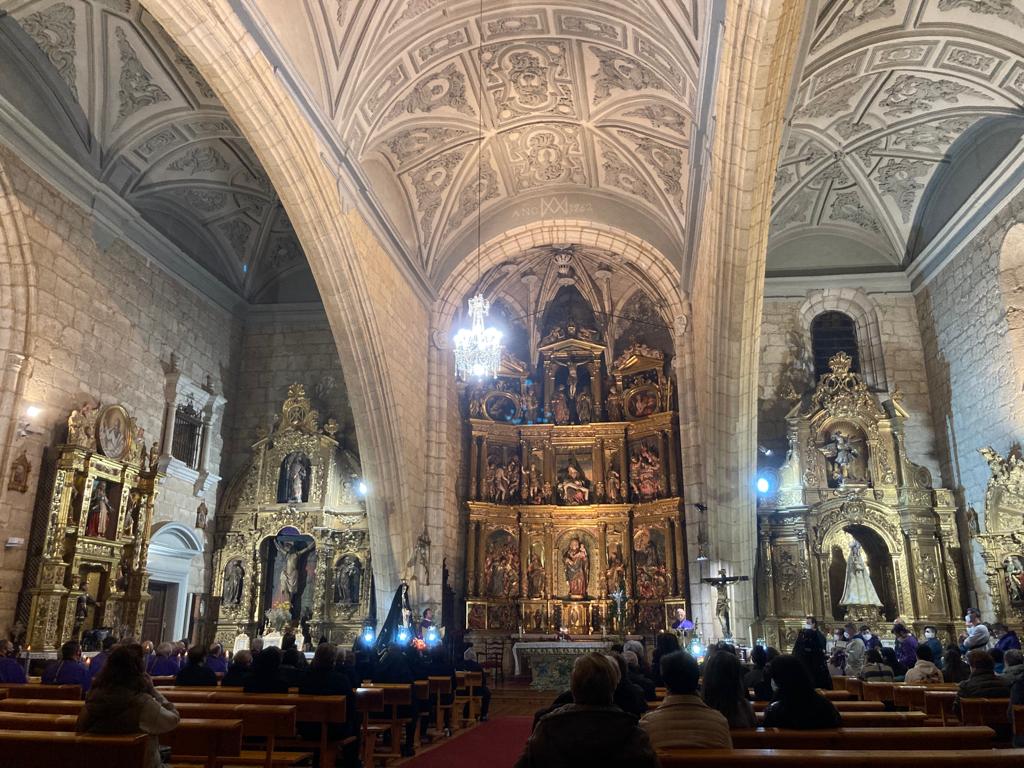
[(495, 744)]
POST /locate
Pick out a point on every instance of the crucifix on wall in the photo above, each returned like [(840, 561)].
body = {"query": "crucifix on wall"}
[(722, 604)]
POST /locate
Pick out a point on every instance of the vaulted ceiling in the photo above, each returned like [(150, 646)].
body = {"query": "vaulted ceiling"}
[(893, 94), (585, 107), (151, 128)]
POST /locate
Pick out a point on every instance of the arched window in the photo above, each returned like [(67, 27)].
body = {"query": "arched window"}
[(833, 332)]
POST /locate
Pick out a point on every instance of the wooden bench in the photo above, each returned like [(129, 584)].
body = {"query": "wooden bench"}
[(439, 687), (1017, 721), (877, 692), (876, 719), (265, 723), (38, 749), (842, 706), (995, 713), (939, 704), (902, 738), (837, 695), (466, 687), (908, 697), (40, 691), (855, 687), (368, 701), (756, 758), (393, 697)]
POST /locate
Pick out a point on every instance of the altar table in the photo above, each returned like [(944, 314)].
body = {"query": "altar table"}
[(551, 662)]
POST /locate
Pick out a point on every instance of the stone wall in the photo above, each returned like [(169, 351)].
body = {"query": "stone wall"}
[(103, 318)]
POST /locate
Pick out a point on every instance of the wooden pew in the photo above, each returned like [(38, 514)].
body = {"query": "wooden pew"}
[(995, 713), (877, 692), (842, 706), (368, 701), (909, 697), (440, 686), (1017, 721), (265, 722), (41, 706), (940, 704), (39, 749), (854, 686), (837, 695), (877, 719), (40, 691), (902, 738), (466, 686), (757, 758), (393, 696)]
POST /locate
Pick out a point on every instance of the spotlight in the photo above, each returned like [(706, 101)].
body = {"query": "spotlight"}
[(403, 636), (368, 635), (763, 485), (432, 636), (32, 411), (697, 650), (362, 489)]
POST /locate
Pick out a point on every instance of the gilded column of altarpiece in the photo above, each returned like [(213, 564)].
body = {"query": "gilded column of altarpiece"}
[(292, 543), (90, 533), (575, 497), (847, 478)]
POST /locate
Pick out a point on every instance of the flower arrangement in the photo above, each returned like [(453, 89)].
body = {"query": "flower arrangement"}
[(279, 615), (418, 644)]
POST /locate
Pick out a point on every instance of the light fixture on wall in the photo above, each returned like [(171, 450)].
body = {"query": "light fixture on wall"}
[(478, 348)]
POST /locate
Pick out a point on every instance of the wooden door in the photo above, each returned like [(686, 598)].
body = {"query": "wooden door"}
[(154, 622)]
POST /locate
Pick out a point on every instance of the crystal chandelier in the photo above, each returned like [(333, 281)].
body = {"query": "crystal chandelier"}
[(477, 349)]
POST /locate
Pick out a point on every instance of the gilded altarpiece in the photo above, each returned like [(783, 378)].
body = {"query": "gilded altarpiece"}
[(575, 508), (1002, 540), (847, 480), (90, 533), (293, 546)]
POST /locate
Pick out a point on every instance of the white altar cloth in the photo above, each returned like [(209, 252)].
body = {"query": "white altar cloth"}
[(557, 648)]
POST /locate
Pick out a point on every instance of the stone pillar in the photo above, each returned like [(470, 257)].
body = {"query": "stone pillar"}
[(597, 388), (678, 571), (474, 468), (169, 412)]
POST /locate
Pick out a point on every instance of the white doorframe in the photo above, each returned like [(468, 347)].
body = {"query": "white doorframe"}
[(171, 551)]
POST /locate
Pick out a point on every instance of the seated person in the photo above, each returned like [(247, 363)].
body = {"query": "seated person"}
[(892, 661), (266, 673), (997, 660), (797, 705), (924, 670), (954, 668), (1013, 666), (163, 662), (97, 661), (10, 670), (470, 664), (293, 666), (683, 719), (983, 683), (241, 665), (195, 671), (875, 670), (638, 678), (123, 700), (217, 660), (1006, 638), (591, 730), (723, 690), (69, 670), (756, 678), (322, 679)]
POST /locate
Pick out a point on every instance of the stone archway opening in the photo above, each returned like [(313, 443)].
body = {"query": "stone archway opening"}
[(171, 564)]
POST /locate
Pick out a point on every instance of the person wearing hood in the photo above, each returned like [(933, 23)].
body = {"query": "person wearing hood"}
[(1006, 638), (592, 730), (924, 670)]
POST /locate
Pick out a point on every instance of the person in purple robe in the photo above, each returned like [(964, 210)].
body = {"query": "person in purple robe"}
[(164, 663), (906, 646), (216, 660), (100, 659), (10, 670), (69, 669)]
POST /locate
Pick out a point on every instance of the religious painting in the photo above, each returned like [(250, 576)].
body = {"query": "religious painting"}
[(649, 555), (1014, 565), (476, 616), (291, 573), (536, 573), (576, 548), (114, 432), (535, 617), (503, 616), (501, 565), (576, 618), (293, 481), (101, 519), (642, 401), (646, 477), (501, 406), (574, 479), (347, 574), (650, 618)]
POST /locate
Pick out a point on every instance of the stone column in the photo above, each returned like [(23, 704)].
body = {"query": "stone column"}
[(597, 388), (474, 468), (169, 412), (674, 542)]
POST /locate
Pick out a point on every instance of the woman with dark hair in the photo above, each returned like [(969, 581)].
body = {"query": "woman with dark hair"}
[(323, 679), (724, 690), (808, 649), (266, 673), (954, 668), (797, 704), (875, 668), (664, 644), (890, 658), (123, 700), (757, 678)]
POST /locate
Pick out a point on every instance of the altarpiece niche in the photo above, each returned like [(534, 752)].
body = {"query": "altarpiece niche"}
[(575, 494), (1002, 540), (293, 546), (90, 533), (854, 530)]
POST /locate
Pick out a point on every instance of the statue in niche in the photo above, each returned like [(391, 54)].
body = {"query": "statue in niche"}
[(613, 485), (202, 512), (613, 403), (291, 554), (234, 578), (1014, 565), (585, 407), (533, 485), (131, 514), (574, 488), (645, 473), (476, 404), (501, 565), (535, 575), (841, 453), (573, 382), (615, 575), (154, 456), (421, 555), (577, 568), (560, 407), (497, 479), (531, 405), (859, 595), (298, 472), (348, 573), (513, 476), (100, 511)]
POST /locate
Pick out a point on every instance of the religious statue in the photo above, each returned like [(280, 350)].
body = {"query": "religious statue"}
[(560, 407), (421, 555), (613, 403), (577, 568), (574, 488), (297, 474), (617, 610), (131, 514), (347, 578), (154, 456), (535, 575), (722, 604), (573, 381), (498, 481), (513, 475), (399, 618), (83, 604), (201, 513), (531, 405), (613, 485), (585, 407), (860, 599), (100, 511), (645, 481), (841, 452), (291, 560), (234, 579), (533, 485), (476, 405), (615, 575)]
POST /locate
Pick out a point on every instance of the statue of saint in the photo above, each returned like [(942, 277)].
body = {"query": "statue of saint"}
[(535, 574), (859, 594), (615, 575), (577, 568), (297, 474), (234, 578), (560, 407), (291, 555), (421, 555), (585, 407), (513, 476), (841, 452), (613, 403), (202, 511), (100, 511), (347, 576), (574, 488), (613, 483), (531, 406)]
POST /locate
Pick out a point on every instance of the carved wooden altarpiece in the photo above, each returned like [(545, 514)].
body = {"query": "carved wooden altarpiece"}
[(90, 533), (1002, 541), (847, 474), (299, 486)]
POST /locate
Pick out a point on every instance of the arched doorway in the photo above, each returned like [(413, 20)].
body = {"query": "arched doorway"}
[(172, 551)]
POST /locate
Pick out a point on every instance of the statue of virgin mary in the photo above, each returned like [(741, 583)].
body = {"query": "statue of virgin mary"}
[(859, 596), (399, 616)]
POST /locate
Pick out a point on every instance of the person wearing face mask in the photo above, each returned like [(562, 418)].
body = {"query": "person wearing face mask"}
[(977, 636), (811, 624), (931, 639), (855, 651), (906, 646), (870, 639), (837, 657)]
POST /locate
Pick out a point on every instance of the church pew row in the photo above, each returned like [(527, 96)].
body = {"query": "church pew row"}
[(40, 691), (902, 738), (878, 719), (757, 758), (39, 749), (842, 706), (1017, 721), (194, 741)]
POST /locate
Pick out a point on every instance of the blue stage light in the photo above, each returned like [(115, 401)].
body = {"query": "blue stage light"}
[(432, 637), (403, 636), (368, 635)]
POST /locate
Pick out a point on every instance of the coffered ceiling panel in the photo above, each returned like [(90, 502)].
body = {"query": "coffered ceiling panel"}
[(162, 139), (888, 88)]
